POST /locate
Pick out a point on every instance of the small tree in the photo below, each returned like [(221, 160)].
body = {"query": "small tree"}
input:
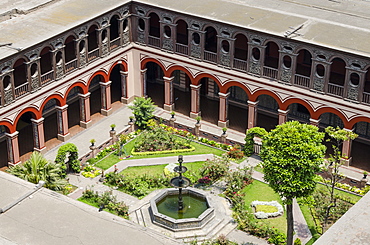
[(336, 136), (249, 143), (142, 109), (73, 163), (292, 154)]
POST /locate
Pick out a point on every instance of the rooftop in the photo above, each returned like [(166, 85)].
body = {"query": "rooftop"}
[(335, 24)]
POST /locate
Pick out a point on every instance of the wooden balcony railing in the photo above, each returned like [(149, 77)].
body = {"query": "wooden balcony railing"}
[(210, 56), (240, 64), (47, 77), (93, 54), (154, 41), (182, 49), (302, 81), (335, 89), (270, 72), (21, 90)]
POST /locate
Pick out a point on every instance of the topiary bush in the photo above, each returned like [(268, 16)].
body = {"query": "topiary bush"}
[(73, 162), (249, 143)]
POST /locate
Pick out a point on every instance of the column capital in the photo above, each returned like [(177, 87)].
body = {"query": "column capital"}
[(62, 108), (252, 103), (315, 122), (192, 86), (125, 73), (283, 112), (12, 135), (84, 96), (168, 79), (223, 95), (37, 121), (348, 130), (105, 84), (143, 70)]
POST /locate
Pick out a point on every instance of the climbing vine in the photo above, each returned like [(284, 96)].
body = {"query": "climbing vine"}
[(249, 143), (72, 162)]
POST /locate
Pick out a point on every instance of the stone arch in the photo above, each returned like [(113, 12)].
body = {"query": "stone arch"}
[(238, 97), (197, 79), (114, 27), (171, 69), (101, 73), (229, 84), (271, 58), (33, 110), (4, 148), (118, 87), (259, 92), (154, 24), (241, 46), (26, 133), (147, 60), (20, 72), (334, 111), (337, 74), (267, 109), (46, 59), (10, 128), (182, 33), (79, 84), (70, 49), (210, 42), (92, 38), (118, 62), (57, 97), (291, 101), (304, 62)]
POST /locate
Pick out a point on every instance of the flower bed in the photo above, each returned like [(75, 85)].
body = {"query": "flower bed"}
[(264, 215)]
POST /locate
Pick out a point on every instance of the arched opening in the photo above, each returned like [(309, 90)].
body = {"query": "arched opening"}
[(95, 96), (272, 55), (49, 113), (7, 86), (181, 89), (304, 63), (211, 40), (116, 86), (267, 112), (3, 148), (182, 32), (337, 77), (92, 43), (298, 112), (70, 53), (114, 32), (329, 119), (46, 60), (209, 100), (366, 94), (240, 52), (154, 30), (74, 112), (238, 109), (25, 135), (155, 83), (20, 78), (361, 146)]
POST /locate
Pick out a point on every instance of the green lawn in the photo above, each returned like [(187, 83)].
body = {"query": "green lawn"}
[(94, 204), (258, 191), (341, 193), (199, 149)]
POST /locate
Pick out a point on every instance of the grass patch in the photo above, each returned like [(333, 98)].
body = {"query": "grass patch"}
[(311, 224), (262, 192), (355, 198), (266, 208), (112, 159), (94, 204)]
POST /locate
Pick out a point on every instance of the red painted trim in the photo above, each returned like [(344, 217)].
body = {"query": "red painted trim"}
[(37, 114), (355, 120), (10, 127), (181, 68), (290, 101), (123, 63), (54, 96), (147, 60), (323, 110), (230, 84), (101, 73), (79, 84), (197, 79), (254, 96)]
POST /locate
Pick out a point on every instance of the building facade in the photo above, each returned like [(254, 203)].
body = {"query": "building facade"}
[(254, 65)]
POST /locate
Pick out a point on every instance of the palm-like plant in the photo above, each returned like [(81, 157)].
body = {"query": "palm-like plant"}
[(39, 168)]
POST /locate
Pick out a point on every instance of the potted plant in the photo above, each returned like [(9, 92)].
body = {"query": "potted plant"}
[(224, 129), (198, 118), (365, 174), (113, 126), (92, 141), (131, 118), (173, 114)]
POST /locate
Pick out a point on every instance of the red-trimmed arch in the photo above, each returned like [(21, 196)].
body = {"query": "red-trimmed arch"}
[(38, 114), (80, 84), (255, 95), (10, 127), (197, 79), (181, 68), (323, 110), (237, 84), (147, 60), (101, 73), (355, 120), (59, 98), (290, 101), (118, 62)]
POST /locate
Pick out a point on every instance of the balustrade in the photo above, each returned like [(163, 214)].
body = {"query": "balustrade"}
[(210, 56), (71, 65), (240, 64), (302, 81), (93, 54), (154, 41), (114, 43), (47, 77), (22, 89), (181, 49), (270, 72), (335, 89)]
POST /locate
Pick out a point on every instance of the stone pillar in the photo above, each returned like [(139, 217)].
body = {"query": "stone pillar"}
[(168, 93), (13, 148), (143, 81), (113, 135), (195, 100), (63, 130), (106, 98), (315, 122), (283, 115), (252, 114), (38, 135), (346, 150), (85, 120), (223, 110), (124, 98), (223, 137), (197, 129)]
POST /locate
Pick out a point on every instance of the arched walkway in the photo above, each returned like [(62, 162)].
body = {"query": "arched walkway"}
[(238, 109)]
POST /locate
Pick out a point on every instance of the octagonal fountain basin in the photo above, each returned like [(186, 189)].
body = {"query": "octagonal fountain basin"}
[(196, 213)]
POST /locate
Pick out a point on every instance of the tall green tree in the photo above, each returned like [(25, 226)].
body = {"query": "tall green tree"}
[(336, 137), (39, 168), (142, 109), (292, 153)]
